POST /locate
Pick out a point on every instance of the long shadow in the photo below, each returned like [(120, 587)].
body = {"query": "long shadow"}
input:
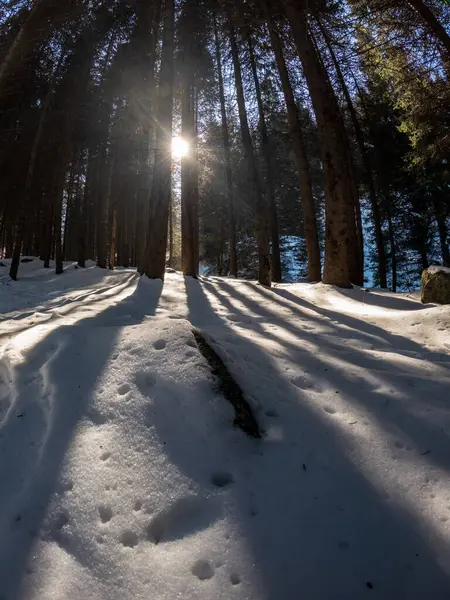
[(375, 297), (317, 512), (396, 416), (53, 391), (51, 290), (51, 312), (396, 341)]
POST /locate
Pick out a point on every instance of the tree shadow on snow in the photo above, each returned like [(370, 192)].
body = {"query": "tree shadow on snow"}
[(406, 417), (317, 522), (53, 390)]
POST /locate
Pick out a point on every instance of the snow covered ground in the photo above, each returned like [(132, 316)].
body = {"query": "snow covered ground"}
[(122, 476)]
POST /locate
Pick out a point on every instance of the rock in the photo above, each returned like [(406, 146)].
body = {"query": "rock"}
[(436, 285)]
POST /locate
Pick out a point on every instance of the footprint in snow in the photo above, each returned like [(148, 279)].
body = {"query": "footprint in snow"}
[(105, 512), (203, 569), (273, 414), (144, 380), (222, 479), (235, 579), (184, 517), (159, 344), (123, 389), (129, 539), (330, 410), (105, 455)]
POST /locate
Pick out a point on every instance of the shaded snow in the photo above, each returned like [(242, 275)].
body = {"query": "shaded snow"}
[(122, 476)]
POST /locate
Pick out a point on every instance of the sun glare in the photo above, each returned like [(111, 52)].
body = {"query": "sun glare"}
[(179, 147)]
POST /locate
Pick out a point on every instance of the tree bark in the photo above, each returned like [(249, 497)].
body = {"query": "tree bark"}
[(273, 215), (25, 200), (365, 161), (443, 233), (300, 153), (392, 243), (162, 180), (339, 186), (188, 173), (227, 156), (260, 208), (35, 31)]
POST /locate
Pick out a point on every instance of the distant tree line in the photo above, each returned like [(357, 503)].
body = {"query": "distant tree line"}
[(317, 128)]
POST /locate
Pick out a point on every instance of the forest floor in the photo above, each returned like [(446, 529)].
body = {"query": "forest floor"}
[(122, 476)]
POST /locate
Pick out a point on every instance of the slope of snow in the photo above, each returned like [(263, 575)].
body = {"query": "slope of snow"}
[(123, 477)]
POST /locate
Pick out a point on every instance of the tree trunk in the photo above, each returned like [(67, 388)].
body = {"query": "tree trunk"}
[(162, 180), (83, 220), (103, 192), (25, 200), (188, 172), (391, 234), (339, 186), (227, 156), (36, 30), (57, 215), (365, 161), (443, 233), (300, 153), (273, 215), (112, 241), (260, 208)]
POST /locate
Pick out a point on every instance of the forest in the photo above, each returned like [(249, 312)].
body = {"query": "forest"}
[(224, 299), (270, 140)]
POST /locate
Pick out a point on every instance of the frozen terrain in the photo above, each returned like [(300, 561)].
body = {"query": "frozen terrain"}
[(122, 475)]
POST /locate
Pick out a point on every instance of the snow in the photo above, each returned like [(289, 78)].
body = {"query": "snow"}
[(438, 268), (123, 477)]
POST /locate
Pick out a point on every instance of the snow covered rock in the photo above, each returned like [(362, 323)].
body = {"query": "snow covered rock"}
[(436, 285)]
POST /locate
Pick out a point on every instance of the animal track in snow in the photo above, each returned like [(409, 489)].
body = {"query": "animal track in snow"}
[(184, 517), (129, 539), (272, 414), (301, 383), (235, 579), (61, 519), (144, 380), (137, 505), (105, 512), (159, 344), (222, 479), (203, 569), (67, 486), (105, 455), (330, 410), (123, 389)]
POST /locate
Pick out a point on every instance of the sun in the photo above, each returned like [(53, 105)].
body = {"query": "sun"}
[(179, 147)]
